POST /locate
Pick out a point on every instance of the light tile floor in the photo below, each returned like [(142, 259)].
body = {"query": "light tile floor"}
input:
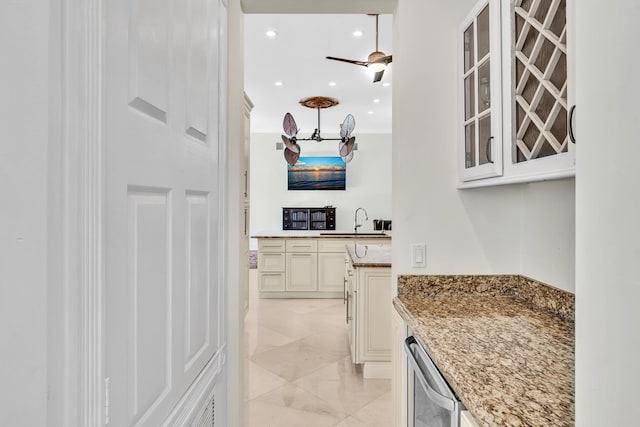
[(298, 370)]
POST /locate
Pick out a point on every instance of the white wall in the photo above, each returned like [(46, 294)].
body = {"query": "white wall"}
[(526, 228), (24, 131), (607, 214), (368, 181)]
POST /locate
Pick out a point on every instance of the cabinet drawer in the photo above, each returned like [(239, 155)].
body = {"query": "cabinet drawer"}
[(271, 245), (270, 261), (302, 245), (271, 282), (332, 245)]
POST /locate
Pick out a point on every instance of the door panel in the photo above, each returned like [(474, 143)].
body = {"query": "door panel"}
[(198, 290), (162, 310), (149, 257)]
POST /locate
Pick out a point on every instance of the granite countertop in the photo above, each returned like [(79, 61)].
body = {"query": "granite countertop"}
[(505, 344), (330, 234), (369, 255)]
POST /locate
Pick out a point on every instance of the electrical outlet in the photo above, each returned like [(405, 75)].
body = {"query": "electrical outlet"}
[(419, 255)]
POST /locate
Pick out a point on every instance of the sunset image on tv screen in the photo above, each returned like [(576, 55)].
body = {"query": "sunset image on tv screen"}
[(318, 173)]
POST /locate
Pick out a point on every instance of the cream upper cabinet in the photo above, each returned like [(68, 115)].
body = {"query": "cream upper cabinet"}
[(522, 86)]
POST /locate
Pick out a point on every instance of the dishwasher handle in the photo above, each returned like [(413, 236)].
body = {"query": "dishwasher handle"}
[(450, 404)]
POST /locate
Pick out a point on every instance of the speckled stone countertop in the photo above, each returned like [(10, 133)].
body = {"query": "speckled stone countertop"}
[(369, 255), (505, 344), (329, 234)]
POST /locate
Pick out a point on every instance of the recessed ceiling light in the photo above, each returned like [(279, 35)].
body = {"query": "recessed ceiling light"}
[(376, 100), (357, 33), (332, 83), (271, 33), (278, 83), (386, 84), (369, 112)]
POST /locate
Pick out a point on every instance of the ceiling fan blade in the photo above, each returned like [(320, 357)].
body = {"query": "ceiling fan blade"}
[(346, 148), (291, 157), (347, 126), (290, 144), (350, 61), (289, 125), (348, 157), (378, 76)]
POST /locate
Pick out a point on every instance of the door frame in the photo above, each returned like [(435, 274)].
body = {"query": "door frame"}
[(76, 228)]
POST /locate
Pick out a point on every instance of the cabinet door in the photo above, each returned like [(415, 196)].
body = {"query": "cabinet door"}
[(374, 315), (537, 82), (480, 91), (302, 270), (530, 78), (331, 272)]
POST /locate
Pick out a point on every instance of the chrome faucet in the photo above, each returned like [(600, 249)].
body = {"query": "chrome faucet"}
[(355, 219)]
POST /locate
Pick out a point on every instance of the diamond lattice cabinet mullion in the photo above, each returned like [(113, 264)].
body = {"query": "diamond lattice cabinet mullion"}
[(540, 68)]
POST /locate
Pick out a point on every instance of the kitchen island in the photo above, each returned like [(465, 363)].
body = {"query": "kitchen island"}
[(306, 264), (505, 344), (368, 309)]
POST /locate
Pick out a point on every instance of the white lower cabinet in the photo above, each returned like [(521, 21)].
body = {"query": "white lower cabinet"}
[(271, 262), (303, 267), (399, 375), (271, 282), (369, 313), (467, 420), (301, 272), (331, 271)]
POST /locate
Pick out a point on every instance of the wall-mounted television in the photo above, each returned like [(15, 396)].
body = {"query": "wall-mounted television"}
[(317, 173)]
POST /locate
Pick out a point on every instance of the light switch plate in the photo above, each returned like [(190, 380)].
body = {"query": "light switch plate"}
[(419, 255)]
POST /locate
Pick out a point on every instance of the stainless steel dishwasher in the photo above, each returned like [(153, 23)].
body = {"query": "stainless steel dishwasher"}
[(431, 402)]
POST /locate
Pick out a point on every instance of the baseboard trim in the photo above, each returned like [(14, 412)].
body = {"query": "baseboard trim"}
[(190, 405), (301, 294), (377, 370)]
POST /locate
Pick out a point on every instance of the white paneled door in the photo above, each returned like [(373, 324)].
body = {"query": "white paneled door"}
[(161, 132)]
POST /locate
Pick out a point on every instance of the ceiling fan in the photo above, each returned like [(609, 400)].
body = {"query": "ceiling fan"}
[(377, 61)]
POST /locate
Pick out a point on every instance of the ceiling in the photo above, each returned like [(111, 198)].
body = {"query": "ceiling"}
[(316, 6), (296, 57)]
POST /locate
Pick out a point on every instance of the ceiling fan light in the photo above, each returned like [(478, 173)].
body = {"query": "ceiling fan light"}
[(376, 67)]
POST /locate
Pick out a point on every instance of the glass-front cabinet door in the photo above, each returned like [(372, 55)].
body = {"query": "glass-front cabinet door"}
[(479, 77), (515, 80), (539, 83)]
